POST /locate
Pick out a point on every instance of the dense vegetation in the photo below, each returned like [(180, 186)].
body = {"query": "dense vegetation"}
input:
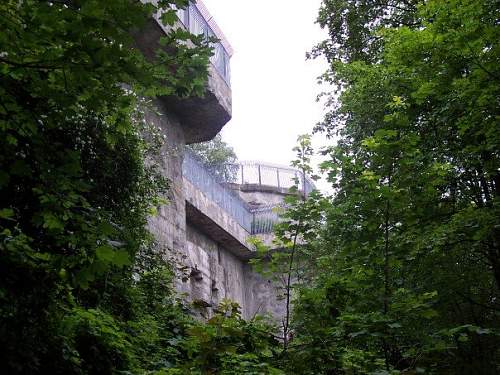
[(81, 290), (406, 273), (397, 273)]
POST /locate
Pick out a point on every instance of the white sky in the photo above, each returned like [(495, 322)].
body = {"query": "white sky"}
[(274, 87)]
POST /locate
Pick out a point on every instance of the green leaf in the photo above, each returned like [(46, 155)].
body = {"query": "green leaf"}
[(463, 337), (121, 258), (6, 213), (105, 253), (169, 18), (52, 222)]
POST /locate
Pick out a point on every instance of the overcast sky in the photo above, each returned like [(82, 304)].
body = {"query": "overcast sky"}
[(274, 87)]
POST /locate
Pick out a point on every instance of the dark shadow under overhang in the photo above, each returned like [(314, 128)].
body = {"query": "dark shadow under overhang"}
[(214, 231), (201, 117)]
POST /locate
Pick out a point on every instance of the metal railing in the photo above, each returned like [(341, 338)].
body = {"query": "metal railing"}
[(206, 181), (195, 22), (265, 174), (253, 220), (265, 218)]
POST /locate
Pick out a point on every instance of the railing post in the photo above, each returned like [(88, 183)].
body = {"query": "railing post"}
[(260, 179), (242, 177), (278, 176), (187, 17)]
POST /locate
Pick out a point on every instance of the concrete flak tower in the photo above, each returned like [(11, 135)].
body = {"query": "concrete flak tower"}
[(206, 226)]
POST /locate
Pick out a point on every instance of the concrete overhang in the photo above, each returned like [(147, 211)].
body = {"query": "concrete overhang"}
[(216, 223), (261, 188), (201, 117)]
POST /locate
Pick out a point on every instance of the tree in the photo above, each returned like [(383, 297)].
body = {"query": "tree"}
[(230, 345), (352, 26), (218, 156), (294, 235), (83, 290), (406, 265), (72, 89)]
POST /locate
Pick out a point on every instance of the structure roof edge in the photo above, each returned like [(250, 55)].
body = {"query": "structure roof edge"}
[(215, 28)]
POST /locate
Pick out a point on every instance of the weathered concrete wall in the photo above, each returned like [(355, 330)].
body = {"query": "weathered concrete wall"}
[(209, 114), (210, 249), (221, 226), (263, 296), (218, 273), (201, 117), (257, 196), (207, 271), (208, 246), (169, 226)]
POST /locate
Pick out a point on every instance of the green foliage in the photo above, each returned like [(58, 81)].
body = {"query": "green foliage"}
[(405, 277), (218, 156), (97, 342), (294, 238), (352, 26), (228, 344), (75, 191), (397, 273), (82, 290)]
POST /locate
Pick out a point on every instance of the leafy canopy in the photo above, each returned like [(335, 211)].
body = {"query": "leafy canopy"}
[(406, 266), (218, 156), (75, 191)]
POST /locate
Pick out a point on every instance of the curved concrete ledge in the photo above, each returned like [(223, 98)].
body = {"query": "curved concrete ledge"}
[(250, 188), (201, 117), (216, 223)]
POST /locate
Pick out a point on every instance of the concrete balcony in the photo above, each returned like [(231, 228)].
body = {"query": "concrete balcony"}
[(230, 213), (201, 118), (252, 176), (198, 21)]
